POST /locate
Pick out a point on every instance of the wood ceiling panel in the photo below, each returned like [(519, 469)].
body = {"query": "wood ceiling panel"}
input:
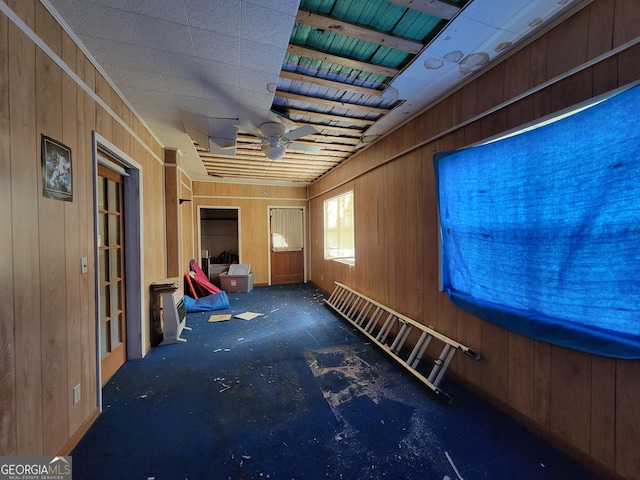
[(357, 31)]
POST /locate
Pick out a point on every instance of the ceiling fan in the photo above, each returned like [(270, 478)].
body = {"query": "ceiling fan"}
[(275, 139)]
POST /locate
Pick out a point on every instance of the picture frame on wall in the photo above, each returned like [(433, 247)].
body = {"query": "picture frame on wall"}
[(57, 179)]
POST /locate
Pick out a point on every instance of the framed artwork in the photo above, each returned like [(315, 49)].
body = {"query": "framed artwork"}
[(56, 170)]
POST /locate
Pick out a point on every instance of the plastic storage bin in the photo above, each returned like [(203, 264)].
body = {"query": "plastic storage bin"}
[(237, 279), (215, 269)]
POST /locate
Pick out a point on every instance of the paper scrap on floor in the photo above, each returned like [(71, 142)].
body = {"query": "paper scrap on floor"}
[(248, 315), (220, 318)]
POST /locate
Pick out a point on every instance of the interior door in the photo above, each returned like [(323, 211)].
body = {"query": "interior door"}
[(111, 272), (287, 245)]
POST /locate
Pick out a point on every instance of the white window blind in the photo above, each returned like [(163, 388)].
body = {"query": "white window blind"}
[(287, 232), (339, 236)]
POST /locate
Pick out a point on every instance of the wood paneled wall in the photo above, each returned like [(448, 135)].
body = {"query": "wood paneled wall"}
[(47, 306), (187, 221), (588, 404), (172, 190), (253, 202)]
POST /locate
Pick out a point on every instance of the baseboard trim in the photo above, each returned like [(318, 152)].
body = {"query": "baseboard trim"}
[(558, 442), (75, 438)]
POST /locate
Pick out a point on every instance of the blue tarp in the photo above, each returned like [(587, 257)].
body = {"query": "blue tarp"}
[(541, 231), (215, 301)]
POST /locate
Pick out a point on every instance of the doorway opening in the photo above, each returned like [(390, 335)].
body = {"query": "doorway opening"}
[(111, 298), (118, 250), (219, 240)]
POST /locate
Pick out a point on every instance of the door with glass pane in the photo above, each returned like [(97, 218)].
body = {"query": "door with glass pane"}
[(287, 245), (111, 272)]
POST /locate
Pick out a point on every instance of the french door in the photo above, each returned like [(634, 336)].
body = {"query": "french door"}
[(111, 272)]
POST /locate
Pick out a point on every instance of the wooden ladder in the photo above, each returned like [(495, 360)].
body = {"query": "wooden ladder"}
[(389, 330)]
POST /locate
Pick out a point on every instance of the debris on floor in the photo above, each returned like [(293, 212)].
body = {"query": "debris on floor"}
[(453, 465), (303, 403), (248, 315), (220, 318)]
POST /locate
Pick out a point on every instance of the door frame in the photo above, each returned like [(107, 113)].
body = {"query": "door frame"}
[(199, 226), (304, 241), (137, 336), (115, 357)]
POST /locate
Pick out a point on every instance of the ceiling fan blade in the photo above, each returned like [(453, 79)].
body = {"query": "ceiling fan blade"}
[(305, 147), (277, 116), (299, 133)]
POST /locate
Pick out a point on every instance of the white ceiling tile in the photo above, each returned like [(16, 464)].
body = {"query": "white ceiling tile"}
[(142, 96), (463, 37), (257, 80), (151, 80), (109, 23), (67, 9), (261, 56), (223, 110), (184, 85), (219, 16), (166, 123), (521, 23), (264, 25), (493, 16), (114, 74), (215, 58), (128, 55), (215, 46), (256, 101), (218, 73), (162, 35), (175, 63), (161, 114), (283, 6), (196, 105), (214, 108), (97, 48), (171, 10), (119, 4)]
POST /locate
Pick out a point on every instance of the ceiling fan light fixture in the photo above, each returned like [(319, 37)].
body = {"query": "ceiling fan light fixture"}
[(274, 152)]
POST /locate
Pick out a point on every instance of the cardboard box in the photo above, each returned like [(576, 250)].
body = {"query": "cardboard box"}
[(236, 283)]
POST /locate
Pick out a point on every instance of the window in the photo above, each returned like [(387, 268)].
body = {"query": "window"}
[(339, 237), (287, 230), (541, 231)]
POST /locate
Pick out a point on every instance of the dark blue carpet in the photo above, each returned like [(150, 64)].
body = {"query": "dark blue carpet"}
[(296, 394)]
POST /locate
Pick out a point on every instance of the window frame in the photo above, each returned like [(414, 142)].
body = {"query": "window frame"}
[(340, 257)]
